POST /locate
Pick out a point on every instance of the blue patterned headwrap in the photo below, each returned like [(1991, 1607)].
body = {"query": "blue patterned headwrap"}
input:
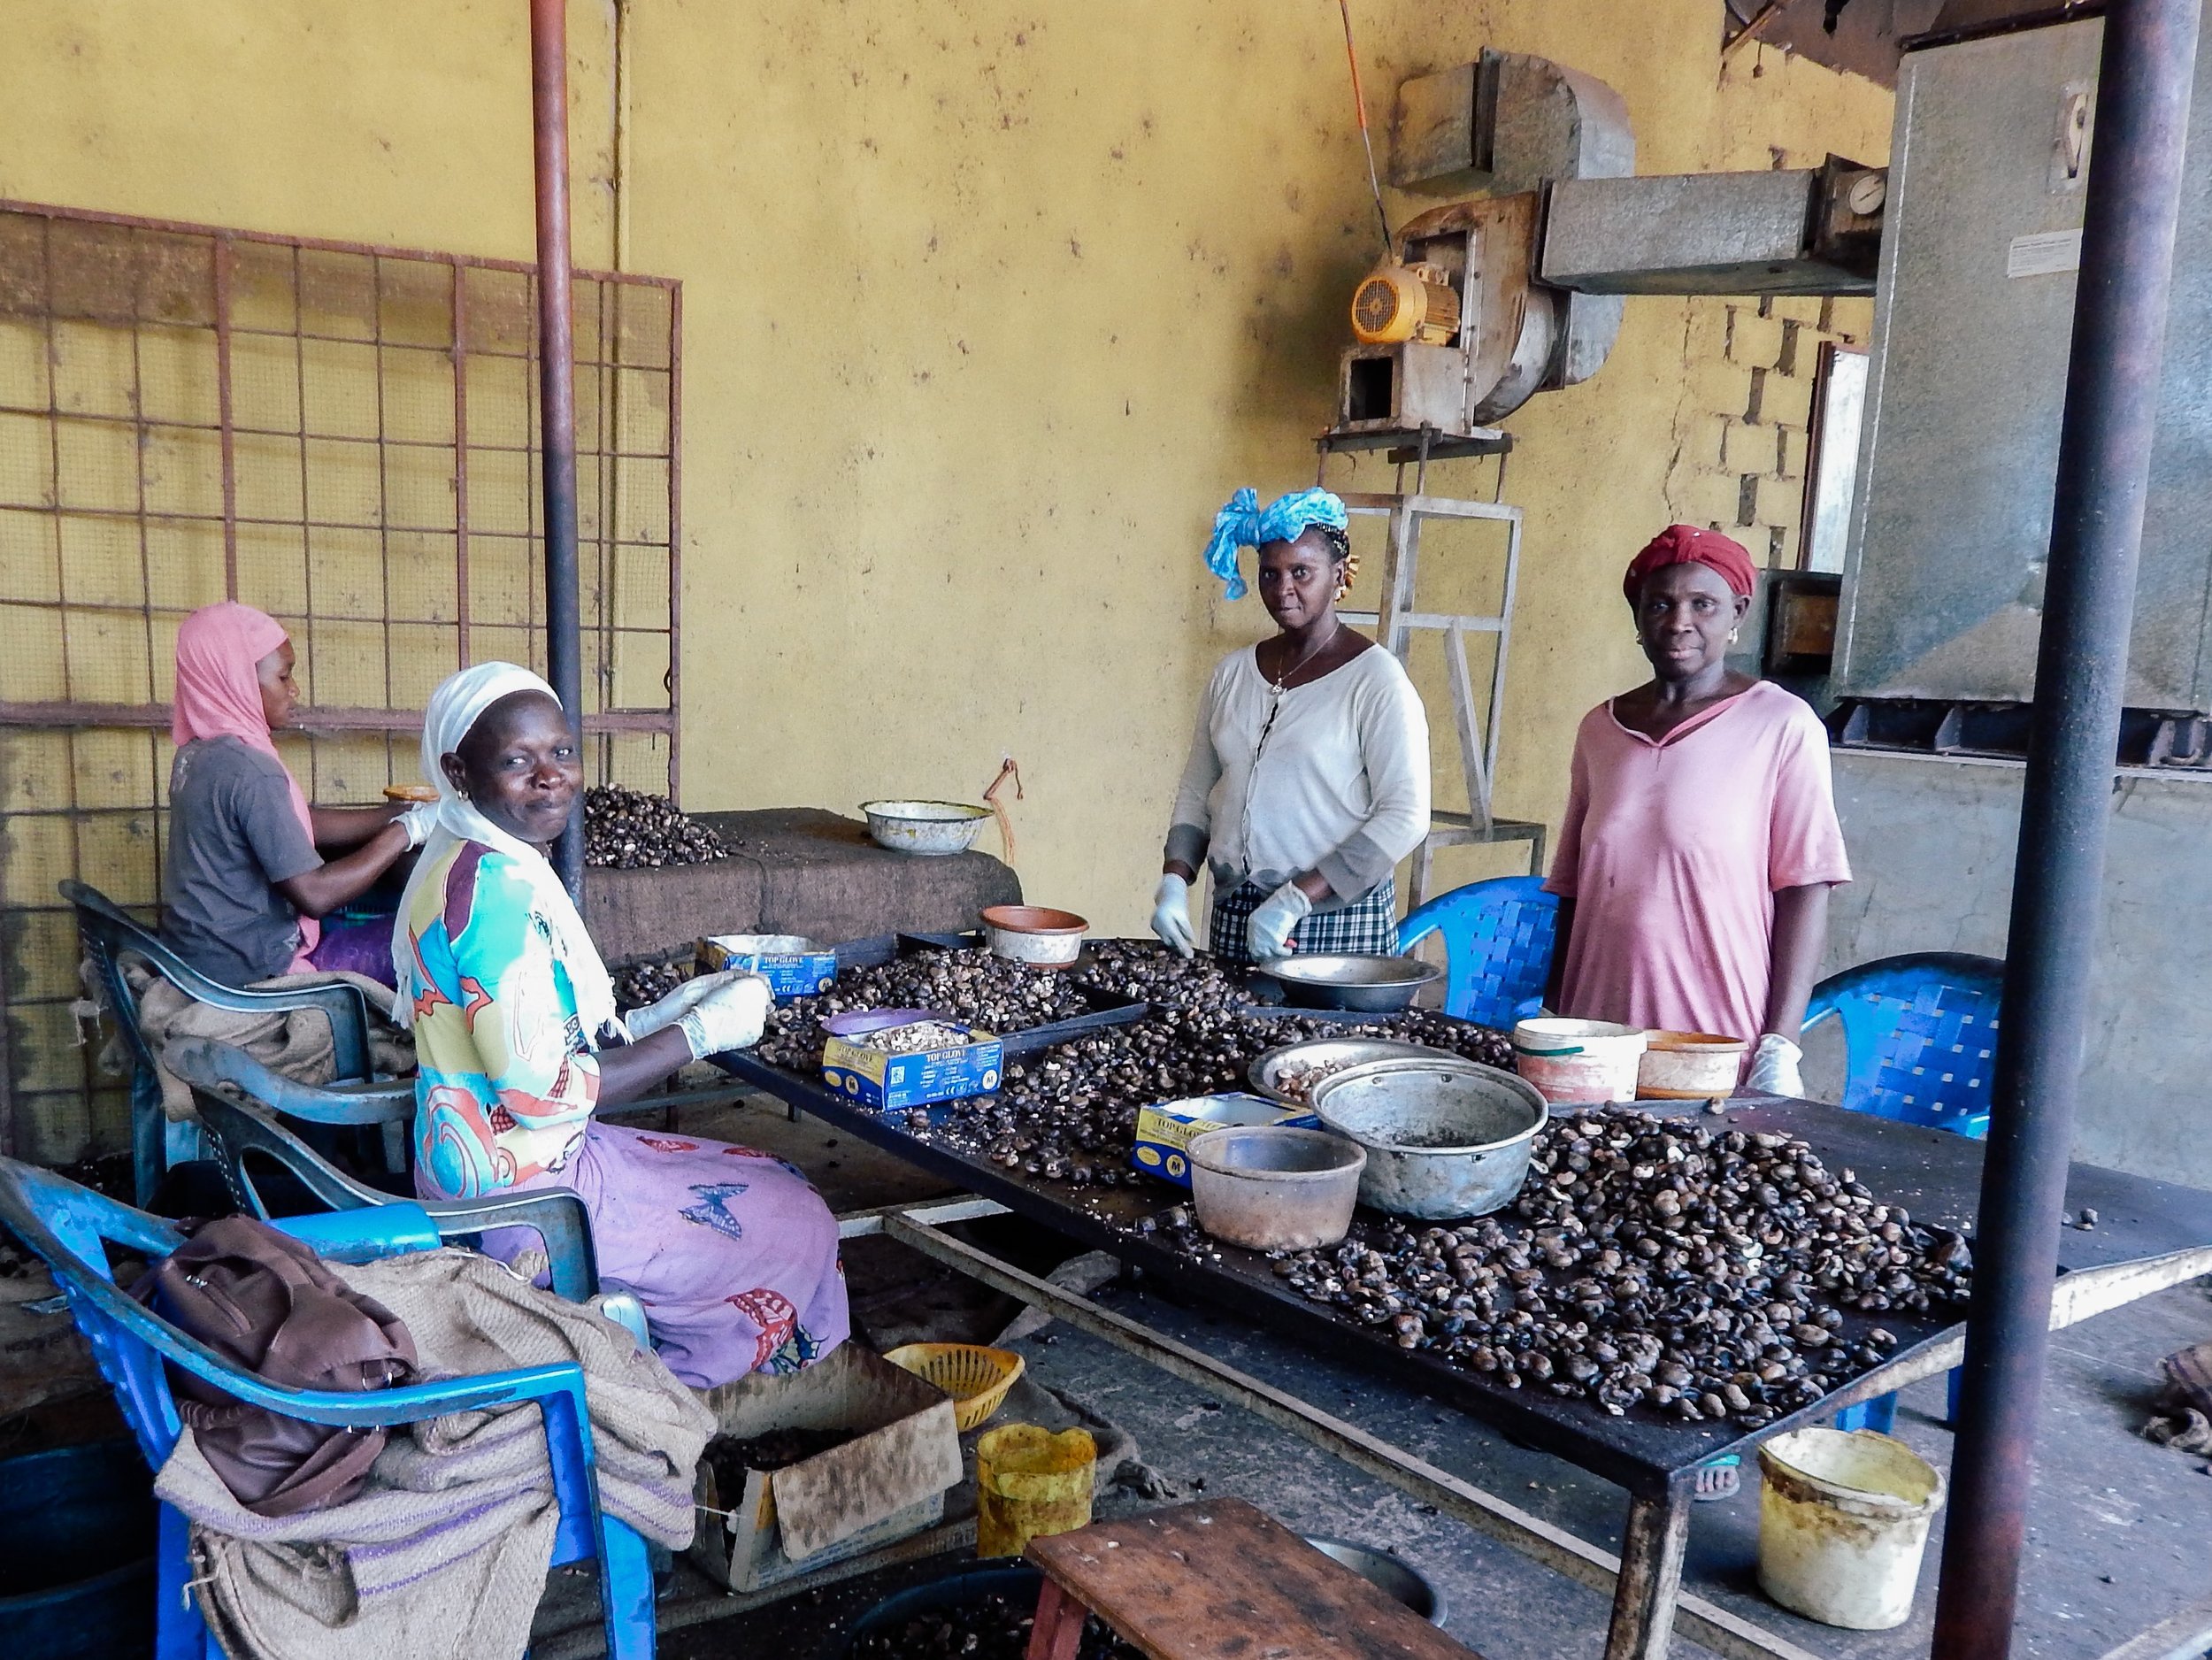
[(1241, 524)]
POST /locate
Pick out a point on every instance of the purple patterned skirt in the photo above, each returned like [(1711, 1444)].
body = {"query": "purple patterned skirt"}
[(733, 1254)]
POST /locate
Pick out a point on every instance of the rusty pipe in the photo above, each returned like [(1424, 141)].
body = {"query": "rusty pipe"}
[(556, 391), (2112, 387)]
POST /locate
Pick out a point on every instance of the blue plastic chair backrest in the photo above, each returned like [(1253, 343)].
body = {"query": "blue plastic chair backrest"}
[(1920, 1037), (110, 934), (209, 1064), (1497, 945), (66, 1224)]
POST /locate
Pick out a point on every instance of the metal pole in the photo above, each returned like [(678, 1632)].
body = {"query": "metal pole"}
[(2112, 387), (556, 391)]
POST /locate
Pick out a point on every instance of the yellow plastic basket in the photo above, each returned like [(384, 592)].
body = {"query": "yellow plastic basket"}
[(976, 1378)]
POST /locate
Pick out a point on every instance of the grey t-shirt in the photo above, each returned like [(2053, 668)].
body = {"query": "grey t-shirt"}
[(233, 836)]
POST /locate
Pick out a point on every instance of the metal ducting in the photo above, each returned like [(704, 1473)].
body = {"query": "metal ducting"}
[(1943, 588)]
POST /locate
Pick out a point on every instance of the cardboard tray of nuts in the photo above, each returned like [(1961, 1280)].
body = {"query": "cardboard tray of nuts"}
[(950, 974)]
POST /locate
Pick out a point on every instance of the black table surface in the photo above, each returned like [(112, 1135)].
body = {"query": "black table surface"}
[(1934, 1174)]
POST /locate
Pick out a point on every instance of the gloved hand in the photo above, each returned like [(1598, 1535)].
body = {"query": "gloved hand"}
[(418, 821), (1774, 1067), (1267, 935), (669, 1009), (1171, 915), (731, 1015)]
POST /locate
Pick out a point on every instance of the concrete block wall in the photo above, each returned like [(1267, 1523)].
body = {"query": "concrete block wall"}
[(1743, 431)]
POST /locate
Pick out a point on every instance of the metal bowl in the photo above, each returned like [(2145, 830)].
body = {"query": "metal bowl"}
[(924, 826), (1337, 1054), (1374, 985), (1269, 1189), (1388, 1573), (1444, 1137)]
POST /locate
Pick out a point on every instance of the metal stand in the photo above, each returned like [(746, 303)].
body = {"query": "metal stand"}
[(1395, 623)]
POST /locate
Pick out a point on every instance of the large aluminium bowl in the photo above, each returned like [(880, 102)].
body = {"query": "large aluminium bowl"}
[(1444, 1137), (1277, 1070), (1372, 985), (924, 826)]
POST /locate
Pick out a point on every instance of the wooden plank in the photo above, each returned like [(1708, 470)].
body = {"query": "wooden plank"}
[(1058, 1631), (1224, 1581)]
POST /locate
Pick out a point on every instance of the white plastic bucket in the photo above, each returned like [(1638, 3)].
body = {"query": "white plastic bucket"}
[(1577, 1061), (1843, 1520)]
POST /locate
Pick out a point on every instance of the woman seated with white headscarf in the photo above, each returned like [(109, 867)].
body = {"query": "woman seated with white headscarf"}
[(732, 1255)]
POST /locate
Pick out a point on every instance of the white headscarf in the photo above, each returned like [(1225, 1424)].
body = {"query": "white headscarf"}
[(455, 708)]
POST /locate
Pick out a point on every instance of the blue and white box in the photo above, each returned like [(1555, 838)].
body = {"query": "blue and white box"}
[(792, 965), (877, 1078), (1166, 1129)]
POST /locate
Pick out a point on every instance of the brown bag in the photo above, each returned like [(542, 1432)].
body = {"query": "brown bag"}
[(268, 1304)]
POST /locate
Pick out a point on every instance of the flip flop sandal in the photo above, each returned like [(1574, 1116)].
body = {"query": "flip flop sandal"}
[(1723, 1479)]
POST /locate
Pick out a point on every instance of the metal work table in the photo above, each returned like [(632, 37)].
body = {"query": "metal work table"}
[(2149, 1235)]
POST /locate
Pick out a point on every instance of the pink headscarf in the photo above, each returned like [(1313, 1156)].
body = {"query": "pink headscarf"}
[(219, 695)]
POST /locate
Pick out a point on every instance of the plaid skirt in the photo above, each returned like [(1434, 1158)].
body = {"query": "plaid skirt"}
[(1366, 927)]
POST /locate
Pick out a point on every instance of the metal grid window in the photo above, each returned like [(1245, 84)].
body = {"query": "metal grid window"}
[(343, 435)]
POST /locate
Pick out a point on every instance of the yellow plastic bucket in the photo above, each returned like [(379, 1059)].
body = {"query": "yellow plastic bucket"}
[(1843, 1520), (1030, 1482)]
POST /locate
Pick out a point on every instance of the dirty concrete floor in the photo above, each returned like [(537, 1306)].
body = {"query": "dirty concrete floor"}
[(2121, 1530)]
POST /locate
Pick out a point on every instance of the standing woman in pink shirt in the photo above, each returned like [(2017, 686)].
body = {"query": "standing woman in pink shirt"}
[(1701, 837)]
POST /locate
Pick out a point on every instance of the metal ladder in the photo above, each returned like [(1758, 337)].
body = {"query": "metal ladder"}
[(1395, 624)]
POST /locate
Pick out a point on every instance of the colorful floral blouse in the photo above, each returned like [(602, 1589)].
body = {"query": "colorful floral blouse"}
[(508, 1083)]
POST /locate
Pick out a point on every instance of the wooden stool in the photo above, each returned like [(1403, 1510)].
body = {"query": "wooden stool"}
[(1219, 1581)]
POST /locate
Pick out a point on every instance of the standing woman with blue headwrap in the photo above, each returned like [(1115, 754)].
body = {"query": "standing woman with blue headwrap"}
[(1309, 773)]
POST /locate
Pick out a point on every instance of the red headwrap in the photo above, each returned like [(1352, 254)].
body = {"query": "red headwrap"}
[(1686, 544)]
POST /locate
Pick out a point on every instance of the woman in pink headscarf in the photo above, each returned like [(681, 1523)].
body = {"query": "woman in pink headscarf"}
[(1700, 837), (245, 883)]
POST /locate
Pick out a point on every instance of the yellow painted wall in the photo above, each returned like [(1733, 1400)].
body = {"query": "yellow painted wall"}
[(990, 306), (987, 305)]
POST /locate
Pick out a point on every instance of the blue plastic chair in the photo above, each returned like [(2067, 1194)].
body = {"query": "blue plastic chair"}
[(231, 1091), (1920, 1042), (110, 936), (1920, 1037), (66, 1225), (1497, 946), (324, 1113)]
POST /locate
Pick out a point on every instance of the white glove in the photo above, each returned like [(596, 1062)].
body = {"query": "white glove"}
[(1171, 915), (731, 1016), (418, 821), (1774, 1068), (1267, 936), (669, 1009)]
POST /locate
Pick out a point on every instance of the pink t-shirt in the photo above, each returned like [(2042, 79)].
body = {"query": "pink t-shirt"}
[(1672, 850)]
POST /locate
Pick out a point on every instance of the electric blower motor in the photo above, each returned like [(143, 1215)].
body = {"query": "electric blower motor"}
[(1406, 303)]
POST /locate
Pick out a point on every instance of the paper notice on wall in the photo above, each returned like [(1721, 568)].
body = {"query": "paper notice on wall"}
[(2043, 254)]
